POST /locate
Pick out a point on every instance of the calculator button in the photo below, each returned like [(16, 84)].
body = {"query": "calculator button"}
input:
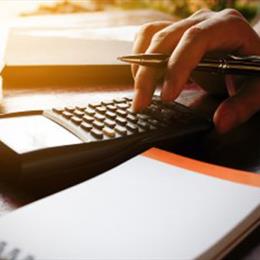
[(88, 119), (110, 123), (154, 113), (155, 106), (70, 108), (99, 117), (81, 107), (94, 105), (97, 133), (130, 111), (107, 102), (143, 116), (121, 112), (170, 105), (132, 118), (121, 121), (111, 114), (98, 124), (86, 126), (143, 124), (67, 114), (132, 127), (76, 120), (58, 110), (167, 114), (152, 127), (121, 130), (166, 111), (109, 132), (156, 99), (101, 109), (153, 121), (78, 113), (111, 107), (90, 111), (123, 105), (119, 100)]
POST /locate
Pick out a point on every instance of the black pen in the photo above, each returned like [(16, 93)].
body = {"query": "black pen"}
[(231, 64)]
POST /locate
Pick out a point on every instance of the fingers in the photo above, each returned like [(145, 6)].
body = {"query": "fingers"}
[(147, 32), (144, 37), (188, 41), (183, 60), (230, 85), (200, 39), (144, 87), (239, 108), (146, 78)]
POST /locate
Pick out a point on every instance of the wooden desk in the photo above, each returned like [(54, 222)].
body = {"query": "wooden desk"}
[(28, 99), (221, 150)]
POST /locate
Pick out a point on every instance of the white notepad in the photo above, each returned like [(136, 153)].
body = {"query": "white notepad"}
[(157, 205), (68, 47), (72, 49), (73, 56)]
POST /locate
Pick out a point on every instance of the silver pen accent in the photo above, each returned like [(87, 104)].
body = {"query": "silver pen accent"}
[(231, 64)]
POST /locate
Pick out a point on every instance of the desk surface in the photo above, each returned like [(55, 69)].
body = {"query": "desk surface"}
[(222, 150), (28, 99)]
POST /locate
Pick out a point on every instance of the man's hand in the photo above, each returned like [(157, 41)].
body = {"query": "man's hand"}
[(187, 41)]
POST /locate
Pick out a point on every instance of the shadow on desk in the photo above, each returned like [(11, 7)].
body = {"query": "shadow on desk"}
[(238, 149), (248, 249)]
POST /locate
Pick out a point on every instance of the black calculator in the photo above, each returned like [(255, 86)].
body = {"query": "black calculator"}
[(64, 143)]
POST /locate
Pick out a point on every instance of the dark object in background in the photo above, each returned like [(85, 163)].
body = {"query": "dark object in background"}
[(239, 149)]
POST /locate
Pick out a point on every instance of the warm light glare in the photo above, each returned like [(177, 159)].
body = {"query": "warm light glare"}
[(11, 9)]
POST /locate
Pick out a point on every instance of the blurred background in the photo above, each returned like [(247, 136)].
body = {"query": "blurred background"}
[(177, 8)]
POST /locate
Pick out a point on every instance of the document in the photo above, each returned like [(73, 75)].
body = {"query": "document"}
[(72, 49), (157, 205), (72, 46), (66, 56)]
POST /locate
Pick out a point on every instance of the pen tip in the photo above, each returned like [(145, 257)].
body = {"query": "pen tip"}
[(123, 58)]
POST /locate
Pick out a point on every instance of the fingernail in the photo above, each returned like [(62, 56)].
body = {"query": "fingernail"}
[(226, 122)]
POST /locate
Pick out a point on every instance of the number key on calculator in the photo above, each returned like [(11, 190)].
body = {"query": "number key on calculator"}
[(114, 120), (73, 143)]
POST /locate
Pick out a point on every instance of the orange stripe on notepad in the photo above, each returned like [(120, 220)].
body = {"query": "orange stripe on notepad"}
[(204, 168)]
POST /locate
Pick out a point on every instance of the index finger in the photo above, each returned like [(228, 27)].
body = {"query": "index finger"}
[(144, 37), (146, 78)]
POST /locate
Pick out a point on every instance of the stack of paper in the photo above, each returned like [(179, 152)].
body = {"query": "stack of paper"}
[(72, 49), (157, 205)]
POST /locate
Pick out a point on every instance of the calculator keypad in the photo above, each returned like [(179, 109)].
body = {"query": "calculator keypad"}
[(114, 118)]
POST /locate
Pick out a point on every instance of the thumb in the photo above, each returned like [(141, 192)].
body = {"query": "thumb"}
[(239, 108)]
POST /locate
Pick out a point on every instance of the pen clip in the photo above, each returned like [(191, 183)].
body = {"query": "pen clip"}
[(252, 58)]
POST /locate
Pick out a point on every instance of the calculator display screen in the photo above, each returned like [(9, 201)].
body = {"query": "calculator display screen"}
[(29, 133)]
